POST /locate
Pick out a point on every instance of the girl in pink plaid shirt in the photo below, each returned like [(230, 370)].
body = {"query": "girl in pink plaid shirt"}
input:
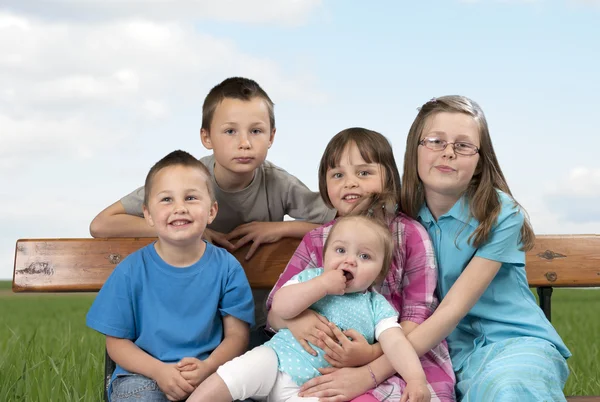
[(356, 164)]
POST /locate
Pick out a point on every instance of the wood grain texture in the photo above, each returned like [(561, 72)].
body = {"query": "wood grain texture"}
[(564, 261), (79, 265), (82, 265)]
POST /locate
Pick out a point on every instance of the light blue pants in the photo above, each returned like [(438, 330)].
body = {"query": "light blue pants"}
[(519, 369)]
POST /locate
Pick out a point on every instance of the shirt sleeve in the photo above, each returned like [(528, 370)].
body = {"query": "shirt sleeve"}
[(133, 202), (112, 311), (504, 244), (236, 299), (304, 204), (420, 275), (307, 255), (384, 314)]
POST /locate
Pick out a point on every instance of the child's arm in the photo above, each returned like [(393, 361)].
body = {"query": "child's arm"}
[(268, 232), (133, 359), (114, 221), (463, 295), (405, 361), (291, 300), (235, 342)]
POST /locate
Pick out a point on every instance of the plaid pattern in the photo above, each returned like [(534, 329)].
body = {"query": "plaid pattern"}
[(409, 286)]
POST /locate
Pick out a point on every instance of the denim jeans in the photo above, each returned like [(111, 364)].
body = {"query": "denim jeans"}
[(135, 387)]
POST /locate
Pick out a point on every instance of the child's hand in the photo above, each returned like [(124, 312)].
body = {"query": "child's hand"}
[(340, 351), (416, 391), (333, 281), (306, 326), (171, 382), (193, 370), (217, 238), (257, 233)]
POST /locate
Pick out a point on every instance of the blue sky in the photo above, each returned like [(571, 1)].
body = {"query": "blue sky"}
[(93, 92)]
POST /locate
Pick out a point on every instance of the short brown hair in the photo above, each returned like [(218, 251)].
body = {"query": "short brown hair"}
[(482, 196), (177, 158), (384, 235), (234, 88), (373, 147)]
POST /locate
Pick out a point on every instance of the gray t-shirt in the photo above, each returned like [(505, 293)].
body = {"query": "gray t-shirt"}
[(272, 194)]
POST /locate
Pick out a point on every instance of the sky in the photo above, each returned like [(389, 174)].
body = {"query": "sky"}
[(93, 92)]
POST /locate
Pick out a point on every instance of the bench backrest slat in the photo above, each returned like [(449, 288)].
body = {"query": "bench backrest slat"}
[(80, 265), (71, 265)]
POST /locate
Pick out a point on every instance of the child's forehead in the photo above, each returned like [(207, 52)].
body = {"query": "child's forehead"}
[(356, 231), (233, 107), (179, 174)]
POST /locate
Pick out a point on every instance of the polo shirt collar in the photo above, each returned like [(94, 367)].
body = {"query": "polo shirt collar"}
[(459, 211)]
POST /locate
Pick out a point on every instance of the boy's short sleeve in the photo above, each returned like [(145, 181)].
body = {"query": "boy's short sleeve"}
[(133, 202), (236, 299), (504, 243), (112, 311), (302, 203)]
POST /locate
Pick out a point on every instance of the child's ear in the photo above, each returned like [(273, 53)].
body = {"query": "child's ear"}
[(205, 138), (212, 213), (147, 216), (272, 137)]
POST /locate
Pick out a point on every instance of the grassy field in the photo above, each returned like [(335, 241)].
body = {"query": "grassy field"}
[(48, 354)]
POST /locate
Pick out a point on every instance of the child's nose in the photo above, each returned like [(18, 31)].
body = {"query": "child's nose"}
[(350, 182), (449, 152), (244, 141)]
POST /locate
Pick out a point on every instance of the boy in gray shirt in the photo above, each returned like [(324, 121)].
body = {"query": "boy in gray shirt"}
[(253, 195)]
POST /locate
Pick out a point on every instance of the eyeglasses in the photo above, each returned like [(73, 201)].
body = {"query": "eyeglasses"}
[(460, 147)]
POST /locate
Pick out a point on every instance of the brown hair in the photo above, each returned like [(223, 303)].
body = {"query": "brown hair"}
[(373, 147), (234, 88), (177, 158), (384, 235), (481, 195)]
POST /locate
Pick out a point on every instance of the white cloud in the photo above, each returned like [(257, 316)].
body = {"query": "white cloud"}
[(288, 12), (77, 89), (576, 197)]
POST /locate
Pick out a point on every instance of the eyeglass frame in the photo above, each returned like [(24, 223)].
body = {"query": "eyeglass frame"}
[(446, 143)]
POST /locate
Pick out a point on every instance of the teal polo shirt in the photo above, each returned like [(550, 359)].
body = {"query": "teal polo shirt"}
[(507, 308)]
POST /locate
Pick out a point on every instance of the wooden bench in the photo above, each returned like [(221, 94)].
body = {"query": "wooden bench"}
[(82, 265)]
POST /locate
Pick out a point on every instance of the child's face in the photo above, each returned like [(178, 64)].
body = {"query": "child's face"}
[(179, 205), (357, 249), (240, 134), (445, 173), (352, 180)]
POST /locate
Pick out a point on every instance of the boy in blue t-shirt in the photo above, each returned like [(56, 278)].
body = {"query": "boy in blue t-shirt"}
[(177, 309)]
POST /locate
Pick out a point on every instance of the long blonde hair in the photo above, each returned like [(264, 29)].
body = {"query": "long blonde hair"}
[(484, 203)]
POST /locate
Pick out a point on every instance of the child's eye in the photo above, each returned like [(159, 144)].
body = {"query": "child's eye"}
[(337, 175), (340, 250), (364, 256), (165, 199), (257, 131), (230, 131), (364, 173), (191, 198)]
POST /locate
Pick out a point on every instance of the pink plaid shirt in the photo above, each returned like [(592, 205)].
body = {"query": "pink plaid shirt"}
[(409, 286)]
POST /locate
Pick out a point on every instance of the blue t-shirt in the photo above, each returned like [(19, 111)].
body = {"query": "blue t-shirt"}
[(172, 312), (361, 311), (507, 308)]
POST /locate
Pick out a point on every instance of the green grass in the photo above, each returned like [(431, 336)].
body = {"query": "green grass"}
[(48, 354)]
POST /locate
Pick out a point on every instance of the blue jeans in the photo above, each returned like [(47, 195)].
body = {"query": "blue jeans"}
[(137, 388)]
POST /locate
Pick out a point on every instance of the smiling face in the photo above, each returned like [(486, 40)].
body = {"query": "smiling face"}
[(445, 173), (240, 135), (353, 180), (357, 248), (179, 205)]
